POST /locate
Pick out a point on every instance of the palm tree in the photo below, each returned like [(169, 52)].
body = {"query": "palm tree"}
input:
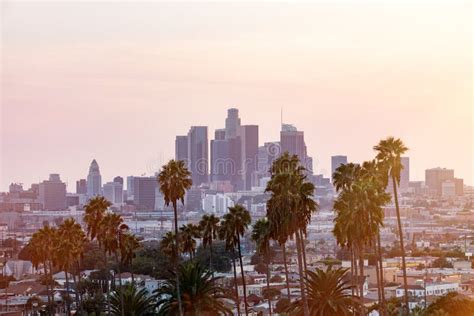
[(168, 246), (226, 233), (174, 179), (236, 222), (261, 235), (42, 245), (95, 210), (112, 230), (389, 152), (189, 233), (135, 302), (199, 293), (290, 207), (327, 294), (209, 226), (68, 249), (128, 246)]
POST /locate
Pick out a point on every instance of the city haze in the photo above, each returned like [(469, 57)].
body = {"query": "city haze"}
[(117, 82)]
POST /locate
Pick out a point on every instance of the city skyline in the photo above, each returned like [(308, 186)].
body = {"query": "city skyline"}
[(161, 76)]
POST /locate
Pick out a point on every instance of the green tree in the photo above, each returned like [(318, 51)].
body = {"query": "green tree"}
[(209, 226), (389, 152), (189, 233), (135, 302), (261, 234), (200, 295), (174, 179), (327, 294)]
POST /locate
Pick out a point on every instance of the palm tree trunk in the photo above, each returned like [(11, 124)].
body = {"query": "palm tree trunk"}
[(76, 292), (377, 272), (402, 246), (301, 273), (243, 276), (176, 232), (68, 304), (356, 273), (48, 286), (131, 271), (210, 254), (286, 269), (235, 282), (382, 283), (53, 303), (303, 249), (268, 287), (362, 276), (120, 284)]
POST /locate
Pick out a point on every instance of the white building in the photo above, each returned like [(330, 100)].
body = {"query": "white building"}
[(216, 203), (432, 289), (113, 192)]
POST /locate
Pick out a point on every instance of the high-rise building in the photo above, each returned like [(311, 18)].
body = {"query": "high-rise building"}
[(144, 191), (336, 161), (248, 135), (232, 123), (221, 164), (113, 192), (266, 155), (435, 177), (81, 186), (52, 193), (292, 141), (198, 156), (405, 174), (94, 180), (181, 148), (118, 179)]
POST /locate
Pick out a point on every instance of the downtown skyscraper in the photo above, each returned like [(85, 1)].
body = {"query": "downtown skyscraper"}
[(292, 141), (94, 180)]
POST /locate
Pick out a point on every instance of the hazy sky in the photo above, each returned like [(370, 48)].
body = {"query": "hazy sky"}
[(117, 81)]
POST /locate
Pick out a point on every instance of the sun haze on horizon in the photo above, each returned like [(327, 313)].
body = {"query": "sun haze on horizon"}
[(118, 81)]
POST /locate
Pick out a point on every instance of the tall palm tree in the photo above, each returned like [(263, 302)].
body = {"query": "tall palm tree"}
[(174, 179), (239, 218), (68, 249), (128, 246), (290, 207), (189, 233), (95, 210), (136, 302), (226, 233), (261, 235), (112, 230), (168, 246), (42, 247), (200, 293), (236, 222), (389, 152), (327, 294), (209, 226)]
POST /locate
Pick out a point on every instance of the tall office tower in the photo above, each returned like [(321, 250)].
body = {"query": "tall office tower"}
[(266, 155), (336, 161), (198, 156), (248, 135), (221, 164), (94, 180), (405, 174), (219, 134), (292, 141), (118, 179), (232, 123), (435, 177), (52, 193), (113, 192), (181, 148), (130, 188), (144, 192), (81, 186)]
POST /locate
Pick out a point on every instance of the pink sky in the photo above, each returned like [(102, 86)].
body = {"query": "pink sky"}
[(117, 82)]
